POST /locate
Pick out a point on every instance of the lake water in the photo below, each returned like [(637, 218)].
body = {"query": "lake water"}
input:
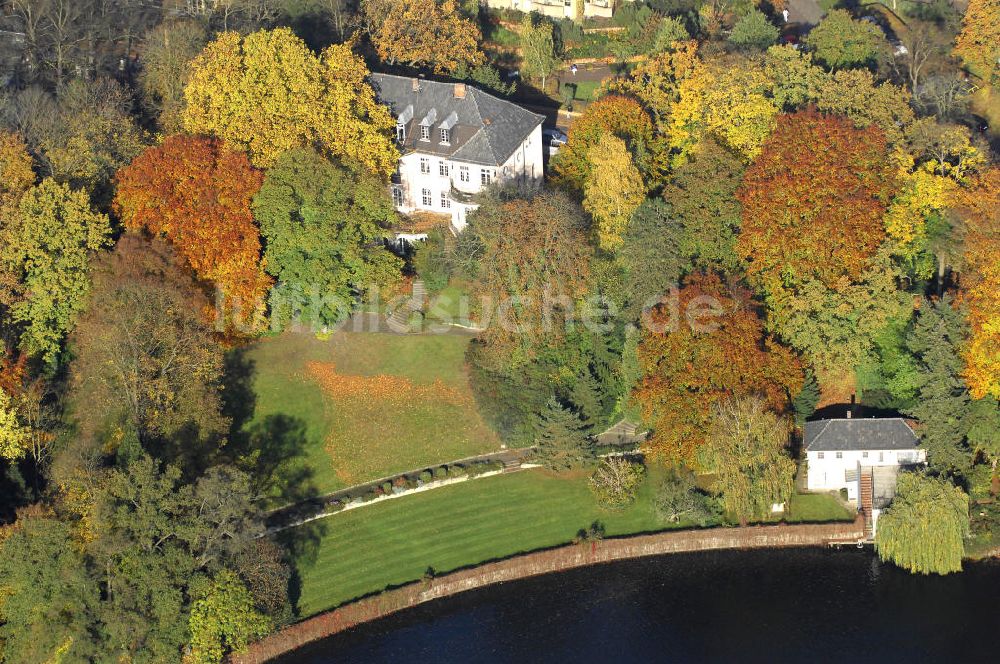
[(801, 605)]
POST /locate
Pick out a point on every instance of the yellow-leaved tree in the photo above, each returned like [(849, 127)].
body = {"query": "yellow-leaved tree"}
[(268, 93), (978, 44), (14, 438), (16, 173), (613, 190), (979, 206), (732, 100)]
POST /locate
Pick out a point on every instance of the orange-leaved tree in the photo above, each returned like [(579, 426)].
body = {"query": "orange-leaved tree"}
[(814, 201), (196, 192), (623, 117), (700, 347), (979, 206)]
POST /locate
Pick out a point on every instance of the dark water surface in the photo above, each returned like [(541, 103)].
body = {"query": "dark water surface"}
[(801, 605)]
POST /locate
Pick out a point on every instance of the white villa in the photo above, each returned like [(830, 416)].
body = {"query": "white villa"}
[(861, 455), (456, 140), (560, 8)]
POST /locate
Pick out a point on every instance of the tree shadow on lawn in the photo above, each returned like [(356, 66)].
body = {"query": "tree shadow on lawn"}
[(273, 451)]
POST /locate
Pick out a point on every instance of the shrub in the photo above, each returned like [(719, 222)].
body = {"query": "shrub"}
[(456, 471), (440, 472), (387, 487), (400, 482), (616, 482), (678, 499), (426, 476)]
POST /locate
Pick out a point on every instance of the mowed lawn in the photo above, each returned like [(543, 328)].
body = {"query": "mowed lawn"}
[(370, 404), (365, 550)]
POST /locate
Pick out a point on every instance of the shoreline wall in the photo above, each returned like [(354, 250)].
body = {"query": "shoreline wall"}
[(527, 565)]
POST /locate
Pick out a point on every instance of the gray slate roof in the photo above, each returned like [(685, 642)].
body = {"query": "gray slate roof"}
[(859, 434), (487, 130)]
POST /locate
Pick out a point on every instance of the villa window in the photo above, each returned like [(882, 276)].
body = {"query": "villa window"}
[(864, 455), (400, 132), (425, 133), (881, 456), (463, 173), (840, 455), (819, 455), (485, 177), (397, 197), (443, 168), (425, 165), (445, 201), (445, 136), (425, 197)]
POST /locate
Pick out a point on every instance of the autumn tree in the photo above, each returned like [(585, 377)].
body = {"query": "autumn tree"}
[(748, 444), (698, 348), (924, 529), (613, 191), (46, 247), (14, 436), (167, 55), (538, 52), (16, 172), (268, 93), (82, 137), (813, 201), (978, 44), (729, 99), (612, 114), (145, 360), (655, 81), (197, 194), (840, 41), (854, 94), (423, 33), (979, 206), (324, 227), (532, 267)]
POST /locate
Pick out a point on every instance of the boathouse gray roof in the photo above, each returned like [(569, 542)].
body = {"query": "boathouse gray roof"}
[(859, 434), (483, 129)]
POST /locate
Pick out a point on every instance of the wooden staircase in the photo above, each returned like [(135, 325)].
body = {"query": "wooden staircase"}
[(866, 493)]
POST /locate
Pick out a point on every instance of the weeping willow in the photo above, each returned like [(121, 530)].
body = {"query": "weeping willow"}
[(924, 528)]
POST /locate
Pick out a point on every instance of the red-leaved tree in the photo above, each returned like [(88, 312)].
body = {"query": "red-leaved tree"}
[(814, 201), (196, 193), (704, 346)]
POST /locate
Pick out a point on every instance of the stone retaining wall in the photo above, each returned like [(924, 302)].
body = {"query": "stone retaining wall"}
[(543, 562)]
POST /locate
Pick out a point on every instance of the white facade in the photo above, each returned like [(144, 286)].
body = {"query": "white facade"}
[(559, 8), (836, 470), (427, 182)]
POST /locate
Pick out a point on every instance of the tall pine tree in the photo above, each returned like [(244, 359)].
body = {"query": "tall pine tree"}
[(942, 401), (561, 438)]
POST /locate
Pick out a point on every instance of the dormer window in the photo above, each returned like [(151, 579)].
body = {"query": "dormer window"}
[(425, 133), (401, 121), (445, 136), (425, 124)]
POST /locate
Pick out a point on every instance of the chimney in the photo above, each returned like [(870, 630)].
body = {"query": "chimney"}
[(460, 91), (849, 414), (416, 84)]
